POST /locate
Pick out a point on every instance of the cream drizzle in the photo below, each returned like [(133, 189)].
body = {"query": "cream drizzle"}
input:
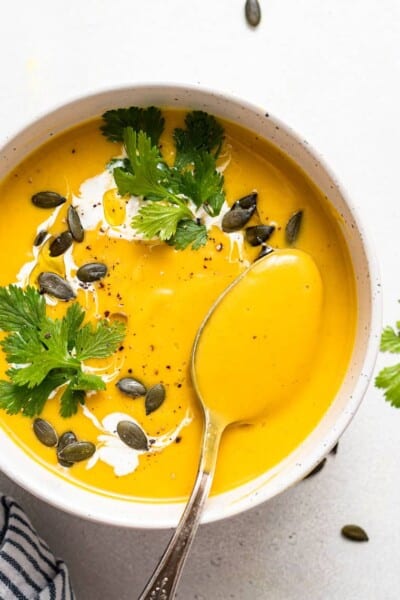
[(114, 452)]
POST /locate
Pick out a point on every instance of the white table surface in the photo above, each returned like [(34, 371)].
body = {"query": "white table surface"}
[(331, 70)]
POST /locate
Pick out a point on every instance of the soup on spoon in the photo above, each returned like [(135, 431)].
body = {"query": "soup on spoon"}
[(254, 348)]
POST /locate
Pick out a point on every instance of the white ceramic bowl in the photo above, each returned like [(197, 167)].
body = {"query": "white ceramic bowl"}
[(57, 491)]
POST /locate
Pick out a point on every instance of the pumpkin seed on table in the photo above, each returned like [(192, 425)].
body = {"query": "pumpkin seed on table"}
[(75, 224), (60, 244), (47, 199), (54, 285), (258, 234), (252, 11), (292, 228), (316, 469), (77, 451), (131, 387), (154, 398), (132, 435), (355, 533), (45, 432), (91, 272), (335, 448), (40, 237), (68, 437)]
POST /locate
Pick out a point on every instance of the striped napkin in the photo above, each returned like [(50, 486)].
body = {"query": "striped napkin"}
[(28, 569)]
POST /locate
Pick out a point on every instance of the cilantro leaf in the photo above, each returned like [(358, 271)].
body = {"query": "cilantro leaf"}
[(99, 340), (74, 394), (149, 120), (147, 175), (88, 382), (74, 317), (189, 232), (49, 352), (204, 185), (389, 380), (160, 219), (70, 401), (390, 340), (19, 308), (203, 133), (29, 401)]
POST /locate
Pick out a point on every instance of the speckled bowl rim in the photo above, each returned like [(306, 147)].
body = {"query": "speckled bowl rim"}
[(55, 490)]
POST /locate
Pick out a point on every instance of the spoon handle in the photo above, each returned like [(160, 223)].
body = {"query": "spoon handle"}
[(164, 580)]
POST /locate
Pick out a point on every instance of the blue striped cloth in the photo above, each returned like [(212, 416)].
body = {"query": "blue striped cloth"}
[(28, 569)]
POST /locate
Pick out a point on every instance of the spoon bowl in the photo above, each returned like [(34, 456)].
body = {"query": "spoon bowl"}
[(271, 312), (280, 298)]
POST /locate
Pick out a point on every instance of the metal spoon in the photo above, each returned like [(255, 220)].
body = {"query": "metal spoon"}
[(164, 580)]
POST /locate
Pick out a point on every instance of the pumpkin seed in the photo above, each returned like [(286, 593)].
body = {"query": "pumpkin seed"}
[(265, 249), (47, 199), (335, 448), (54, 285), (249, 201), (45, 432), (132, 435), (68, 437), (316, 469), (39, 239), (75, 225), (154, 398), (236, 219), (355, 533), (258, 234), (131, 387), (60, 244), (77, 451), (252, 12), (91, 272), (293, 227), (65, 439), (240, 213)]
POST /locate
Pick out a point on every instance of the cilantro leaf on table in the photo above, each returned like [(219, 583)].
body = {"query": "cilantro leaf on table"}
[(390, 339), (203, 133), (46, 353), (149, 120), (388, 378)]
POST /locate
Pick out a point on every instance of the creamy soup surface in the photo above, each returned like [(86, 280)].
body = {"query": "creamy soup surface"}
[(163, 294)]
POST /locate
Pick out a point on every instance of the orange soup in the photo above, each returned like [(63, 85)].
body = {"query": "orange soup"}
[(162, 292)]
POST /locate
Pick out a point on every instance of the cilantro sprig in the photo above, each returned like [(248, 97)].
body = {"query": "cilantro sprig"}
[(149, 120), (172, 194), (45, 354), (388, 378), (144, 173), (203, 133)]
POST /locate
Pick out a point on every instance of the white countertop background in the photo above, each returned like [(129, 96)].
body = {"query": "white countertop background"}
[(331, 70)]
